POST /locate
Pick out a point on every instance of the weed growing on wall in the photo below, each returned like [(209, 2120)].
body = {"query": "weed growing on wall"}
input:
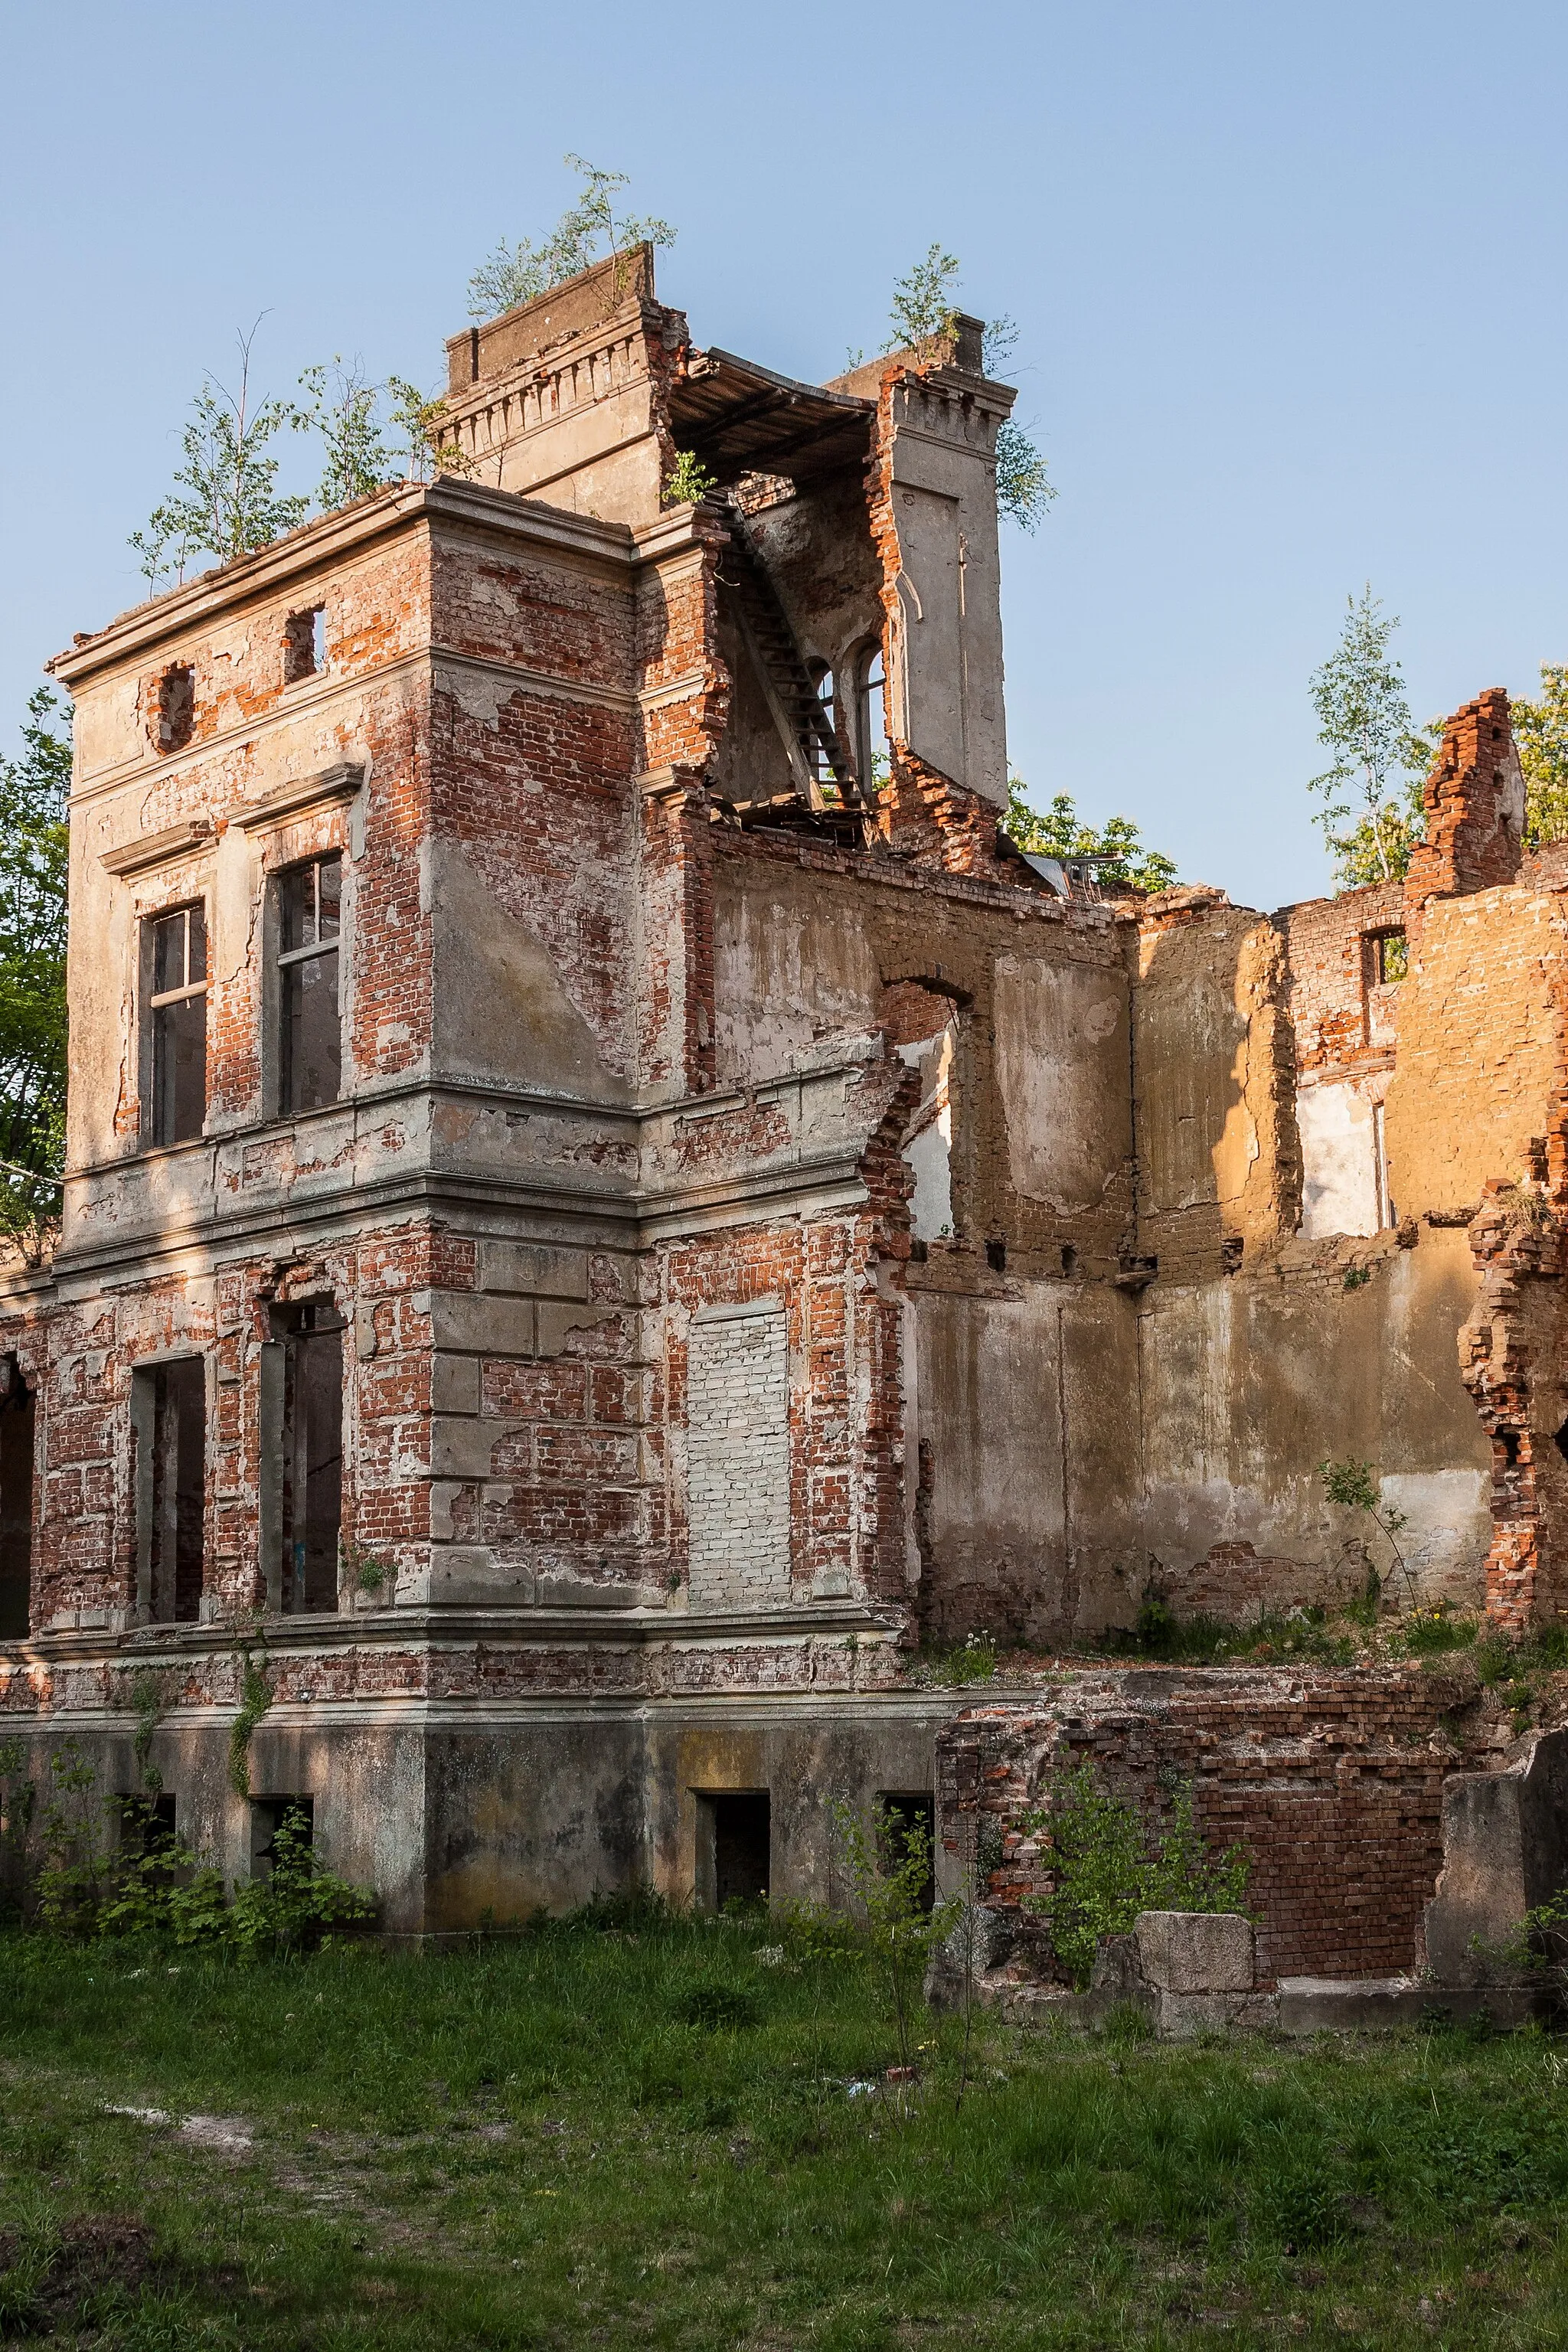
[(689, 480), (255, 1699), (1108, 1863), (1351, 1485)]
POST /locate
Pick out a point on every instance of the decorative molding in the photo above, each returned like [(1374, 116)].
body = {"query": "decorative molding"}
[(158, 848), (326, 786)]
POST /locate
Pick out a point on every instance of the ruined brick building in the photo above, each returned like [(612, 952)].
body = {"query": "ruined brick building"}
[(606, 1201)]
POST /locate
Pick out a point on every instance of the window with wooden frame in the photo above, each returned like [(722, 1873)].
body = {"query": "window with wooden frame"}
[(309, 1036), (174, 971)]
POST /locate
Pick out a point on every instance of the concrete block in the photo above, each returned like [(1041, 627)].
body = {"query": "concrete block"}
[(482, 1325), (533, 1268), (1505, 1849), (1194, 1951), (455, 1384)]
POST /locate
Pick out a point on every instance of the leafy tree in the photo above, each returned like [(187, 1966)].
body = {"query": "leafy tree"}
[(1379, 761), (521, 272), (1061, 833), (34, 851), (230, 505), (358, 461), (924, 319), (1540, 731)]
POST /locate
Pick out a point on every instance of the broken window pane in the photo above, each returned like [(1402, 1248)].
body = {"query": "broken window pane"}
[(177, 966), (311, 1039)]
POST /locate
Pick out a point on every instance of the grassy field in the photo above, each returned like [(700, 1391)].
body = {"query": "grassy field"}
[(673, 2136)]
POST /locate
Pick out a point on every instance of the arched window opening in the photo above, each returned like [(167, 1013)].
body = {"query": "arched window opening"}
[(821, 766), (871, 762)]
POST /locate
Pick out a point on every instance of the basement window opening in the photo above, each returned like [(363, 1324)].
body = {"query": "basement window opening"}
[(169, 1423), (905, 1818), (176, 707), (310, 1469), (174, 951), (16, 1438), (304, 644), (734, 1839), (310, 914), (147, 1824), (270, 1814)]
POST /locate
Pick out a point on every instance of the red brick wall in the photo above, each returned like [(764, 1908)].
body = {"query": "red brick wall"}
[(1332, 1782)]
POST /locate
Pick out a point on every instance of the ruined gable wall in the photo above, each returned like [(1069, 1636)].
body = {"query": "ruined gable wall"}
[(1481, 1051)]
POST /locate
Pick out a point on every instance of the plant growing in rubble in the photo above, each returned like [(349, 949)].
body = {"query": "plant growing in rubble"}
[(418, 418), (1379, 761), (689, 480), (1350, 1485), (1108, 1863), (923, 318), (521, 272), (889, 1864), (1060, 832), (358, 461), (229, 504), (34, 852)]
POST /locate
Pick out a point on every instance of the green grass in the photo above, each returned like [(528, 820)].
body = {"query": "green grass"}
[(649, 2138)]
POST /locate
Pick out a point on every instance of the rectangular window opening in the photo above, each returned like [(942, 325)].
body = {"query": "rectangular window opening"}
[(304, 644), (311, 1466), (1390, 958), (175, 964), (906, 1815), (16, 1434), (734, 1848), (309, 1058), (176, 707), (169, 1416), (268, 1816)]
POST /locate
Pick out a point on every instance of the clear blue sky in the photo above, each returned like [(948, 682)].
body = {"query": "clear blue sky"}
[(1288, 282)]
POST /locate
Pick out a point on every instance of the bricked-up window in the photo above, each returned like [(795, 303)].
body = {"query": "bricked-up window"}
[(17, 1429), (169, 1419), (310, 1042), (311, 1466), (175, 954), (176, 707), (737, 1456), (304, 644)]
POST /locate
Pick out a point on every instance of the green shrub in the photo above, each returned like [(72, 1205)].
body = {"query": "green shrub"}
[(1107, 1865), (1429, 1632)]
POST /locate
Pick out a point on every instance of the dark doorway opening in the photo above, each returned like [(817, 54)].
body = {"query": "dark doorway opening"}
[(906, 1817), (312, 1495), (16, 1416), (734, 1858), (178, 1498)]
